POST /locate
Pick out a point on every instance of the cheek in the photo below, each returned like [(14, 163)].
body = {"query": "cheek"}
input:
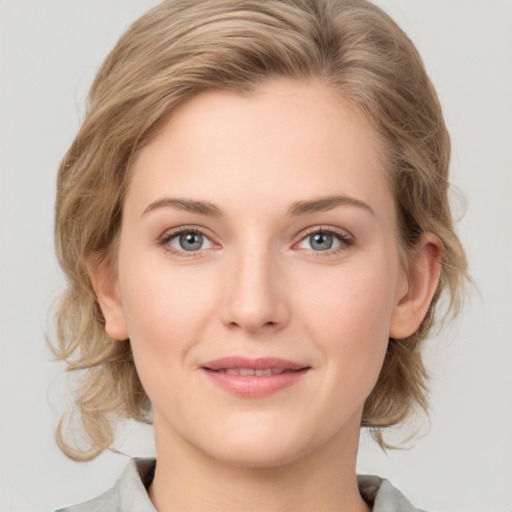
[(357, 304), (348, 314), (166, 310)]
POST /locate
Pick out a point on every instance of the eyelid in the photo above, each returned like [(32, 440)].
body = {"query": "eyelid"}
[(345, 238), (164, 239)]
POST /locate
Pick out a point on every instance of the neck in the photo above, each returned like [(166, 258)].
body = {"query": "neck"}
[(188, 480)]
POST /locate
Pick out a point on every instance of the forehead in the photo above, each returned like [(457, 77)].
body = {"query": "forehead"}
[(286, 138)]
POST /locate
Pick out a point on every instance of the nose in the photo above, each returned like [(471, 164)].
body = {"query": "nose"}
[(255, 293)]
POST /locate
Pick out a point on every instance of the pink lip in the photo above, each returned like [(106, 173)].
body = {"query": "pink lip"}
[(284, 374)]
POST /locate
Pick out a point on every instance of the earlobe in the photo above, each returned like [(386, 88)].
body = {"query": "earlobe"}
[(105, 285), (422, 279)]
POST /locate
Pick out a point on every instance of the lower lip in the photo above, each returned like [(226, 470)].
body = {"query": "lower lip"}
[(255, 386)]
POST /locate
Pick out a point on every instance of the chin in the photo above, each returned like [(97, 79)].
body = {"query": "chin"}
[(256, 457)]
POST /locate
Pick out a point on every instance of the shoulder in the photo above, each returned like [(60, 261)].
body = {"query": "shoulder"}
[(106, 501), (382, 496), (128, 494)]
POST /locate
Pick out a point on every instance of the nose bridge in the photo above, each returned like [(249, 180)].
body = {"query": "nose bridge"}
[(256, 298)]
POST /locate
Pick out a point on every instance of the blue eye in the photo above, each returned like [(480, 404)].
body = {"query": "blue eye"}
[(189, 241), (323, 240)]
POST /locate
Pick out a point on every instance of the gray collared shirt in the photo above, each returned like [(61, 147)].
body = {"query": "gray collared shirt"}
[(129, 494)]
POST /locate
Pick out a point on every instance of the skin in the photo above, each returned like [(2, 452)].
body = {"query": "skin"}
[(259, 287)]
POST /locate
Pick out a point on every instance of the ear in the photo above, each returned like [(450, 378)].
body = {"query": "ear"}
[(104, 282), (421, 283)]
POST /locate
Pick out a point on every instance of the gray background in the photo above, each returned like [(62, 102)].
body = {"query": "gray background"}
[(50, 50)]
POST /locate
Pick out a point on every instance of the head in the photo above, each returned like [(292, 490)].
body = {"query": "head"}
[(182, 50)]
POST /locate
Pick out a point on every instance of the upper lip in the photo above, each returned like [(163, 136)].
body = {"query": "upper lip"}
[(260, 363)]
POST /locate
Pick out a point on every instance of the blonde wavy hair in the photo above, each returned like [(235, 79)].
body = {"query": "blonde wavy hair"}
[(184, 47)]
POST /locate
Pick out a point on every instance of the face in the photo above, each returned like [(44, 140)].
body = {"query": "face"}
[(258, 274)]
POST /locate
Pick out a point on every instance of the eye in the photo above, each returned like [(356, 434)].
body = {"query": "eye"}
[(324, 240), (188, 241)]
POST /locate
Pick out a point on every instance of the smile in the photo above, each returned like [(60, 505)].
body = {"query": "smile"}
[(252, 371), (254, 378)]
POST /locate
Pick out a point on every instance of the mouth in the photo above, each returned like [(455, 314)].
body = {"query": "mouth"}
[(259, 366), (254, 378), (253, 371)]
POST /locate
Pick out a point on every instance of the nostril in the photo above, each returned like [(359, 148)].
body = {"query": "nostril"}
[(261, 315), (239, 325)]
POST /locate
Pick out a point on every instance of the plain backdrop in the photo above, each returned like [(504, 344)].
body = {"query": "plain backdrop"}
[(50, 50)]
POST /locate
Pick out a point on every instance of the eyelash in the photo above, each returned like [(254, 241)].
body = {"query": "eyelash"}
[(345, 240), (165, 240)]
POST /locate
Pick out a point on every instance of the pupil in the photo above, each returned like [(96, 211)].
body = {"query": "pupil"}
[(191, 241), (321, 241)]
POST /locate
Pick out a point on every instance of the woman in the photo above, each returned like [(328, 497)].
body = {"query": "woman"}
[(255, 227)]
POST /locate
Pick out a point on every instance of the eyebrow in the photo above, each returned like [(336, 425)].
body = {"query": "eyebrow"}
[(326, 203), (188, 205), (296, 208)]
